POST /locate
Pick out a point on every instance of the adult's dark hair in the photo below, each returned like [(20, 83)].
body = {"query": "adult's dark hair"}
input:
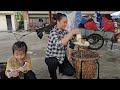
[(59, 16), (54, 17), (19, 45)]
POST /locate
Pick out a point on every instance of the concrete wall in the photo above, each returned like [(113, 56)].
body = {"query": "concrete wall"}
[(3, 22), (14, 22)]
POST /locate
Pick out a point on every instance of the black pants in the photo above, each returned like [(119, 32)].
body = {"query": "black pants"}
[(65, 68), (29, 75)]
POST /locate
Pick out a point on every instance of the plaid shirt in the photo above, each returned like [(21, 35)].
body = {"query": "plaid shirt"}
[(55, 48)]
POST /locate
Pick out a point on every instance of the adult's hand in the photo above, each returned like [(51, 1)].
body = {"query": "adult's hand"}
[(75, 31), (70, 58)]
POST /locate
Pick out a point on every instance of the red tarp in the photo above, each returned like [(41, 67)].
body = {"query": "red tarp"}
[(108, 25), (91, 25)]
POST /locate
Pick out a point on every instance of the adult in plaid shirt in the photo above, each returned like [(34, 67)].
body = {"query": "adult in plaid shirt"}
[(57, 47)]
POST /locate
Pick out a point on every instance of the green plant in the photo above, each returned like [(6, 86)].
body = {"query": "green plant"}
[(21, 25)]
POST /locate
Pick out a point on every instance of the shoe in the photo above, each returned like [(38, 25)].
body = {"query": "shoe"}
[(61, 74)]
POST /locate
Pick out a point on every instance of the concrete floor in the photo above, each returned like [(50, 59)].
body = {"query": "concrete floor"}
[(109, 59)]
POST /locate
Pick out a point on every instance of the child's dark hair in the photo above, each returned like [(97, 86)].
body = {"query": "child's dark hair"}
[(19, 45)]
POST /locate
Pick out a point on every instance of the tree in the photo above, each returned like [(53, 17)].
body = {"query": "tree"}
[(20, 20), (19, 15)]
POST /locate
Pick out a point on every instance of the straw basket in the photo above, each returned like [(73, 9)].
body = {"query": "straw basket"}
[(88, 60)]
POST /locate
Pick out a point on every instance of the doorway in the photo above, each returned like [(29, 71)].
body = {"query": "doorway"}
[(9, 22)]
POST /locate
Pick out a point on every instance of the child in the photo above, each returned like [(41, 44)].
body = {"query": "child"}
[(19, 64)]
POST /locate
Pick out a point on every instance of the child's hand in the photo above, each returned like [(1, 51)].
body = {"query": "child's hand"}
[(26, 59), (15, 73), (21, 69)]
